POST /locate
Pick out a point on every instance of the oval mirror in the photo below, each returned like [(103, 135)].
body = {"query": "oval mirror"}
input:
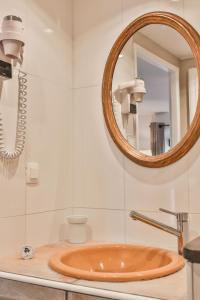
[(151, 89)]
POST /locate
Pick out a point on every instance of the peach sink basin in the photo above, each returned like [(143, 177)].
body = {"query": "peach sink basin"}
[(116, 262)]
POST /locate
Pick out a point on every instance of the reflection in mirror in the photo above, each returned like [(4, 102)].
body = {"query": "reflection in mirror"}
[(155, 89)]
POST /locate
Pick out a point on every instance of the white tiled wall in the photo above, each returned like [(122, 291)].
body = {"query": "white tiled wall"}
[(81, 169), (36, 214), (106, 185), (46, 227)]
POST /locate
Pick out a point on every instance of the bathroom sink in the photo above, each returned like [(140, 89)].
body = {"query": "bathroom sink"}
[(116, 262)]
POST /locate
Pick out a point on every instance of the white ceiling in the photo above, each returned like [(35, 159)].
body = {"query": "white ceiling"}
[(169, 39)]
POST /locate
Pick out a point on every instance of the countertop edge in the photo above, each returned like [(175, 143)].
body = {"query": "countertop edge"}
[(70, 287)]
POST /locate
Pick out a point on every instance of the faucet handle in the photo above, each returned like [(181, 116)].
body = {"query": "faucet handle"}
[(168, 211), (181, 216)]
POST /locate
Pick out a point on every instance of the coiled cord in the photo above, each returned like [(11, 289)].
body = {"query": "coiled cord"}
[(21, 122)]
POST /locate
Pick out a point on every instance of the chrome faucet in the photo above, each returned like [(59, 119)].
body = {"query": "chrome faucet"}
[(182, 225)]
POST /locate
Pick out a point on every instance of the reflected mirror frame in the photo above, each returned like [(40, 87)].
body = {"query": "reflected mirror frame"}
[(193, 133)]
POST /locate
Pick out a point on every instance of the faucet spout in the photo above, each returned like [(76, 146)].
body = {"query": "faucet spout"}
[(178, 233)]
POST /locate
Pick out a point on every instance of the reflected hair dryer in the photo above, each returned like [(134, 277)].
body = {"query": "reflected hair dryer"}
[(135, 87)]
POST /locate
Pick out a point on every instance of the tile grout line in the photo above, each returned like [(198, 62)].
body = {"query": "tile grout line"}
[(72, 124), (73, 63), (35, 213), (124, 192), (87, 87), (84, 208), (123, 158)]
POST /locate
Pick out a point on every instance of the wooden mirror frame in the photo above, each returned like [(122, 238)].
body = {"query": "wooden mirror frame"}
[(193, 133)]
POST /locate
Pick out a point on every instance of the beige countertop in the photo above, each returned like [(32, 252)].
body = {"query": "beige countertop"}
[(173, 287)]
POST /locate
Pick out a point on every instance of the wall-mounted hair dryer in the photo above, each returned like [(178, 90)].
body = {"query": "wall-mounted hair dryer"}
[(12, 42), (135, 88), (12, 37)]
